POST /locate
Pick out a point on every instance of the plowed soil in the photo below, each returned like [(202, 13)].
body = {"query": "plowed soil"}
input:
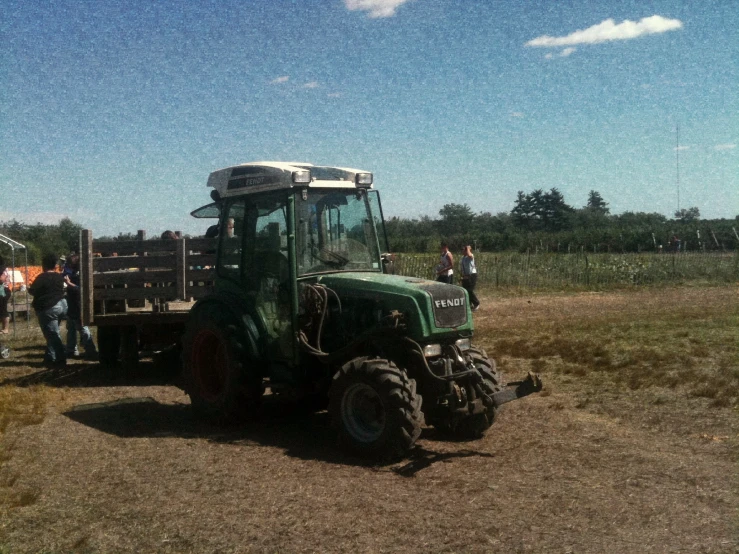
[(118, 464)]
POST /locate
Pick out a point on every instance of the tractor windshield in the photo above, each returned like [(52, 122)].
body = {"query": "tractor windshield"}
[(339, 230)]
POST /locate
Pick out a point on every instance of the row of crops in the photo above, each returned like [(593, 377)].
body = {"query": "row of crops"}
[(584, 271)]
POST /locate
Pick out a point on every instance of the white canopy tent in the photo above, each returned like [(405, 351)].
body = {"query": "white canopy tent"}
[(14, 245)]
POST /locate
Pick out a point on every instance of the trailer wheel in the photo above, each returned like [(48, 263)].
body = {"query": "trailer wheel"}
[(221, 383), (109, 345), (375, 408)]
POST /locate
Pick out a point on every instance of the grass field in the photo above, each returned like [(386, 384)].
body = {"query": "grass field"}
[(586, 270), (631, 447)]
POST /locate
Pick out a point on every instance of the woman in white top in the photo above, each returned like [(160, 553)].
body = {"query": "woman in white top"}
[(444, 269), (469, 276)]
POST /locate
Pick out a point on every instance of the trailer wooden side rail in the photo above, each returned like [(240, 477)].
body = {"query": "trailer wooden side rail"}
[(143, 281)]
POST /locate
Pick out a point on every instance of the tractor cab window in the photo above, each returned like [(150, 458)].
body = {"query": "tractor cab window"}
[(266, 270), (337, 231), (232, 226), (266, 245)]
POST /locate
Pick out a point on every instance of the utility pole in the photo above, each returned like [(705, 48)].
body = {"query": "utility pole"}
[(677, 163)]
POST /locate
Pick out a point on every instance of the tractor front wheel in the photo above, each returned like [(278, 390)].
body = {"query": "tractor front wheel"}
[(473, 426), (375, 408)]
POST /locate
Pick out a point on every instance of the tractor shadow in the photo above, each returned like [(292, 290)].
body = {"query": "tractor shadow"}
[(299, 434)]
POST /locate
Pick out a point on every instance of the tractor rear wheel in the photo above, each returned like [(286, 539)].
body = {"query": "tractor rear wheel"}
[(223, 386), (375, 408)]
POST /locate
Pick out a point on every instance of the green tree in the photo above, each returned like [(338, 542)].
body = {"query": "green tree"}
[(688, 216), (556, 213), (542, 211), (69, 232), (456, 219), (596, 204)]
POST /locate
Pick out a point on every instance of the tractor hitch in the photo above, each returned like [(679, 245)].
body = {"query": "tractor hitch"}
[(517, 389)]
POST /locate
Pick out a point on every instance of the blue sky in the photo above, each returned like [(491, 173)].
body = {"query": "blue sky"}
[(114, 113)]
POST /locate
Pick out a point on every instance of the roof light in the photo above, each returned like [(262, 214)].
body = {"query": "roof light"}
[(363, 179), (301, 176)]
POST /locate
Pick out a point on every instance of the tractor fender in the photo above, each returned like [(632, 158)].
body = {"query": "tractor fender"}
[(240, 310)]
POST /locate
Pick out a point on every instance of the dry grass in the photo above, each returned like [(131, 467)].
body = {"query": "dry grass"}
[(628, 449), (689, 343)]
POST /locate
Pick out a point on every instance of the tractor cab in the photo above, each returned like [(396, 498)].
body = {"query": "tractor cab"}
[(281, 225)]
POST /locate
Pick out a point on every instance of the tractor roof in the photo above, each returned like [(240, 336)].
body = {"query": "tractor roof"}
[(253, 177)]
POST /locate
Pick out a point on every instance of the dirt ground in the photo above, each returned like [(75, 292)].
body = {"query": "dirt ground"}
[(119, 465)]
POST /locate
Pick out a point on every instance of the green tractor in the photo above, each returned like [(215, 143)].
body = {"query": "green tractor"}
[(305, 304)]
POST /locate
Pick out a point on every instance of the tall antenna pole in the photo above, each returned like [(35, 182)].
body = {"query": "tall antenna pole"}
[(677, 163)]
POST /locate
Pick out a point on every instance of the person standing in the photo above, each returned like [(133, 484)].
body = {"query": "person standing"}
[(4, 298), (71, 275), (469, 276), (50, 307), (445, 268)]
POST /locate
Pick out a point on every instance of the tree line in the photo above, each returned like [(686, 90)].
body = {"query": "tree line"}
[(542, 220), (539, 221)]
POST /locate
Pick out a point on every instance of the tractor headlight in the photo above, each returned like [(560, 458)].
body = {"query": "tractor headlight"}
[(363, 179), (431, 350), (463, 344), (301, 176)]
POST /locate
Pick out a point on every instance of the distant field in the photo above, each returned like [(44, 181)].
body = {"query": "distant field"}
[(585, 271), (631, 447)]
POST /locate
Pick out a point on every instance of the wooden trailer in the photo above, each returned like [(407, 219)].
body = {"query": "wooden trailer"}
[(138, 293)]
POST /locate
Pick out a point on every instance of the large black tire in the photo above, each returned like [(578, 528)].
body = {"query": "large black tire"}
[(109, 345), (217, 374), (375, 408), (129, 348), (474, 426)]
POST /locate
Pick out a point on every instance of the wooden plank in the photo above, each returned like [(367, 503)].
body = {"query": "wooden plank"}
[(143, 318), (199, 292), (131, 247), (201, 260), (200, 275), (181, 281), (86, 283), (165, 261), (202, 244), (132, 278), (131, 293)]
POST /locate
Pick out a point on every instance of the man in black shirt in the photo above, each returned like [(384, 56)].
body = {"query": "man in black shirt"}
[(50, 306)]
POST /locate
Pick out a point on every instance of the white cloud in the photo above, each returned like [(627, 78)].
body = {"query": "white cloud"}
[(334, 94), (279, 80), (516, 114), (563, 54), (376, 8), (608, 30), (312, 84), (729, 146), (682, 148)]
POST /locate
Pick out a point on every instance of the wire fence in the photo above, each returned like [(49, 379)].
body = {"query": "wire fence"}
[(584, 270)]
